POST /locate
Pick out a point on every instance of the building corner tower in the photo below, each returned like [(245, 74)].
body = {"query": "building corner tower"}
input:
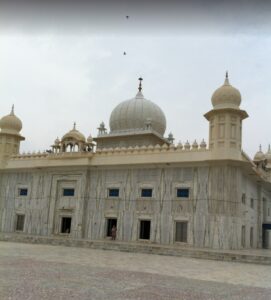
[(10, 136), (225, 122)]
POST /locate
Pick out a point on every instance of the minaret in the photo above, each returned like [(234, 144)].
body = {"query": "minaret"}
[(225, 122), (10, 137)]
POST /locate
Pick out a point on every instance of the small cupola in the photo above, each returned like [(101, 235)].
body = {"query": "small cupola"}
[(259, 156), (11, 123), (226, 96)]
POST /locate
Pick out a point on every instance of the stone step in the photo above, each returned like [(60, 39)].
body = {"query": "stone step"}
[(257, 256)]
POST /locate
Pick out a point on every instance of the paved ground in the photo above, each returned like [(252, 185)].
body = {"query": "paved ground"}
[(55, 272)]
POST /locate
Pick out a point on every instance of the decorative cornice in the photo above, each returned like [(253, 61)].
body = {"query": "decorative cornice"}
[(212, 112), (171, 148)]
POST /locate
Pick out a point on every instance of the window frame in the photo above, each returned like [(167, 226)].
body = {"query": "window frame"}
[(182, 188), (112, 196), (68, 188), (20, 189), (146, 188)]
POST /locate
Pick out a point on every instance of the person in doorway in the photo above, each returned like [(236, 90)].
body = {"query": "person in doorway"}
[(113, 232)]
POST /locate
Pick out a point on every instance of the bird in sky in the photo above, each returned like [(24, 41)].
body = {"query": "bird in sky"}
[(127, 17)]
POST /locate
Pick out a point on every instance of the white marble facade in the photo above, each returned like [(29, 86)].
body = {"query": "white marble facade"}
[(215, 197)]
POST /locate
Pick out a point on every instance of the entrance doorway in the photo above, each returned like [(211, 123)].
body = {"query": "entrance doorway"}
[(110, 223), (181, 232), (66, 223), (145, 229), (265, 241), (243, 236)]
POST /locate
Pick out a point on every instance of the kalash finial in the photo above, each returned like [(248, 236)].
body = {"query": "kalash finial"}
[(227, 78), (12, 110), (74, 126), (140, 84)]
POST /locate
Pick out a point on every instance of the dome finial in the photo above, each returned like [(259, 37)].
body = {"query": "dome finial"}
[(12, 110), (227, 78), (140, 84), (260, 147), (74, 126)]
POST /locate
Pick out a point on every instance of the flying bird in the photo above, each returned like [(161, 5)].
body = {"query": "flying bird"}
[(124, 53), (127, 17)]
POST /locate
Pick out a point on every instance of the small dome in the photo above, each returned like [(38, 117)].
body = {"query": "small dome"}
[(11, 123), (195, 145), (137, 113), (259, 156), (57, 141), (90, 139), (226, 96), (74, 134), (180, 145), (203, 144), (187, 146)]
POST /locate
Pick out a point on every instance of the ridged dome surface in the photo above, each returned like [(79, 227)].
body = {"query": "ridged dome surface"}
[(226, 96), (74, 134), (11, 123), (135, 114), (259, 156)]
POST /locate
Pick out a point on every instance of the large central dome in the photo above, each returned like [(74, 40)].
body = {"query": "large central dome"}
[(137, 114)]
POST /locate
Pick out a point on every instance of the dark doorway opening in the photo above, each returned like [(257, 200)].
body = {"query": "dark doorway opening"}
[(181, 232), (265, 236), (66, 225), (110, 224), (20, 223), (145, 230)]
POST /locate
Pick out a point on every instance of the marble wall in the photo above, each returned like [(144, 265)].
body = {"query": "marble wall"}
[(214, 210)]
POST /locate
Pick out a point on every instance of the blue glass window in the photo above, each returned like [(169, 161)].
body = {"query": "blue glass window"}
[(183, 193), (113, 192), (68, 192), (146, 193), (22, 192)]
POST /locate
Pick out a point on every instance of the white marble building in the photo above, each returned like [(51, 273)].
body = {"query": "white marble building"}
[(133, 177)]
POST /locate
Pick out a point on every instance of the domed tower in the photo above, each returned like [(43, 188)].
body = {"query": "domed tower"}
[(134, 122), (225, 120), (73, 141), (10, 136), (260, 159)]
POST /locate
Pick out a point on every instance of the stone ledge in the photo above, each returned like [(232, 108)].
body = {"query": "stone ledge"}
[(245, 256)]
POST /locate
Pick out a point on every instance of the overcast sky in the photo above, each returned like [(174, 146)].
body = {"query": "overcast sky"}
[(59, 66)]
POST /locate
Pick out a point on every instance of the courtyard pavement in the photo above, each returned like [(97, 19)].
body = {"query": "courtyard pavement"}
[(38, 272)]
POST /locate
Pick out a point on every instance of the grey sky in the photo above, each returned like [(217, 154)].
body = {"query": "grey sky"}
[(55, 77)]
